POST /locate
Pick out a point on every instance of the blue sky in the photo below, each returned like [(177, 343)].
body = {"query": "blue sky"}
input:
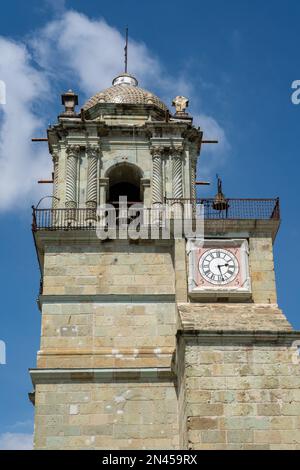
[(236, 60)]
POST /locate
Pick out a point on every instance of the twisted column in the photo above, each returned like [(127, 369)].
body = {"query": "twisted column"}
[(71, 178), (193, 163), (55, 180), (177, 178), (157, 186), (193, 179), (91, 192), (92, 178)]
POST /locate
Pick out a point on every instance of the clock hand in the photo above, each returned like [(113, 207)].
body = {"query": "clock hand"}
[(221, 272)]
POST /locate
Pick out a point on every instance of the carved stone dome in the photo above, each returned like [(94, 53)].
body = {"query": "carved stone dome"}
[(125, 89)]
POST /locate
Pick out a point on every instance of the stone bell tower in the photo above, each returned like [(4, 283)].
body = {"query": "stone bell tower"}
[(155, 343), (105, 369)]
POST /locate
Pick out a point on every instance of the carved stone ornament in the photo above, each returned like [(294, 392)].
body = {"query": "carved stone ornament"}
[(55, 157), (180, 103), (176, 151), (92, 151), (157, 150), (73, 150)]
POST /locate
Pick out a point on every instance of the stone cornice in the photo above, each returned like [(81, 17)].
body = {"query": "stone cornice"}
[(109, 298), (230, 228), (153, 374), (240, 337)]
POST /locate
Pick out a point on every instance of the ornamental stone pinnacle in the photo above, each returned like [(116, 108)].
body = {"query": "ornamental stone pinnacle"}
[(180, 103)]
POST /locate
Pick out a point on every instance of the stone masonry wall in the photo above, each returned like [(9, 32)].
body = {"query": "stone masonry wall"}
[(261, 264), (84, 327), (240, 397), (106, 416), (91, 334), (116, 267)]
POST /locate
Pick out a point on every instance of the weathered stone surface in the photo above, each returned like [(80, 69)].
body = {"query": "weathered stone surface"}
[(232, 317), (233, 396)]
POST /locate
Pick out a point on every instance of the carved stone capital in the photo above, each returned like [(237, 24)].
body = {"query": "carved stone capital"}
[(92, 151), (73, 150), (145, 182), (176, 151), (104, 182), (55, 157), (157, 150)]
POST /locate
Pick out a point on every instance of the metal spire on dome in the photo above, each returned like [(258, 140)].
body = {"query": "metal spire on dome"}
[(126, 48), (125, 78)]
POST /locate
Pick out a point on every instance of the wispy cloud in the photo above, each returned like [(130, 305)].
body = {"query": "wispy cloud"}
[(16, 441), (212, 155), (81, 53), (27, 424)]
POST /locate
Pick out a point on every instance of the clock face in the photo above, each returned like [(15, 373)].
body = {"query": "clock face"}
[(218, 266)]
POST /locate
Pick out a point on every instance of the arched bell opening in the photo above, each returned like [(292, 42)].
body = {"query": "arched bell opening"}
[(124, 180)]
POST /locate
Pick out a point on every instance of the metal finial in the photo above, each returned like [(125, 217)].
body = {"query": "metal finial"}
[(126, 49), (220, 203), (219, 184)]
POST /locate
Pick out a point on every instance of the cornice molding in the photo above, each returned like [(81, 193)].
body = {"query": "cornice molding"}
[(154, 374)]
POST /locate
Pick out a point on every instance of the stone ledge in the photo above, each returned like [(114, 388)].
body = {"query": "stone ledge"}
[(155, 374), (110, 298), (222, 337), (241, 227), (227, 317)]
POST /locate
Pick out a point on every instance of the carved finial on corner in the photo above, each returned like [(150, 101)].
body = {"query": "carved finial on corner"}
[(180, 103), (70, 101)]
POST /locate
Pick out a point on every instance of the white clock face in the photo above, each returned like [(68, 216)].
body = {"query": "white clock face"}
[(218, 266)]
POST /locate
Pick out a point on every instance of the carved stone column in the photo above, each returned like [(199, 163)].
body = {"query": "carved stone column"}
[(55, 180), (157, 184), (71, 180), (177, 182), (177, 177), (193, 179), (193, 166), (92, 179), (157, 180)]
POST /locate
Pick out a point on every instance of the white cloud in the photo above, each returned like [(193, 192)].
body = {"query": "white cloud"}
[(94, 51), (212, 155), (16, 441), (20, 163), (86, 53)]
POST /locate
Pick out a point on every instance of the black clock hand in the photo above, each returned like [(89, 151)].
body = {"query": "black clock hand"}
[(221, 272)]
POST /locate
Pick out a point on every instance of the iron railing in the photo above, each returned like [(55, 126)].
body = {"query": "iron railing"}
[(237, 209), (85, 219)]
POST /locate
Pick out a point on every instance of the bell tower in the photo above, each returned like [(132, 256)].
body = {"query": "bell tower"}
[(105, 372), (161, 342)]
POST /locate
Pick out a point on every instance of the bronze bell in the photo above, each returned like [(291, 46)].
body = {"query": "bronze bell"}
[(220, 202)]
